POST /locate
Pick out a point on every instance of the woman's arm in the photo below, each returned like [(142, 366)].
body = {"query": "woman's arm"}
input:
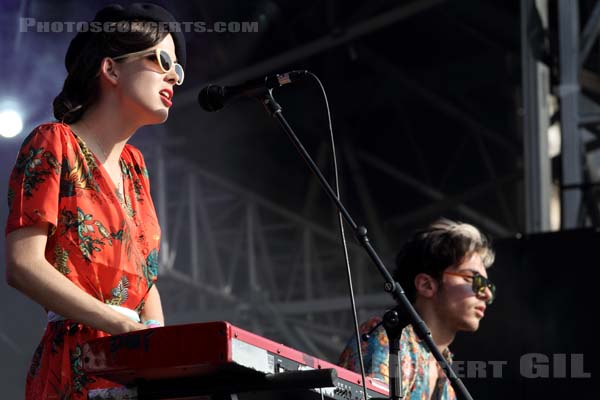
[(153, 308), (28, 271)]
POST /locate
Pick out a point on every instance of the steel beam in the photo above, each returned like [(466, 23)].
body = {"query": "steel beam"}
[(569, 91), (401, 80), (205, 221), (486, 222), (308, 50), (590, 33), (450, 201), (299, 308), (364, 195), (535, 79)]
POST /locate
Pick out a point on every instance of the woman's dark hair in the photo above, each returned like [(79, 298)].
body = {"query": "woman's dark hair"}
[(442, 244), (81, 88)]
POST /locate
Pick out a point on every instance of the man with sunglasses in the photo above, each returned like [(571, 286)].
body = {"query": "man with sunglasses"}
[(443, 271)]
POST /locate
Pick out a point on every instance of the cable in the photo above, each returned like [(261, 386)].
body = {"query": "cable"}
[(343, 237)]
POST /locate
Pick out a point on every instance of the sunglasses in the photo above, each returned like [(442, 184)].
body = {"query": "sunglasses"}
[(480, 283), (163, 59)]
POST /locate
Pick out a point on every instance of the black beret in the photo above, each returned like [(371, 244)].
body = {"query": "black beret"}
[(135, 11)]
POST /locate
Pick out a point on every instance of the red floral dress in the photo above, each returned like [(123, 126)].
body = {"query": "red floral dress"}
[(105, 243)]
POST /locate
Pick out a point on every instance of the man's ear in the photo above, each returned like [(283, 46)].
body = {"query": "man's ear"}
[(425, 285), (109, 70)]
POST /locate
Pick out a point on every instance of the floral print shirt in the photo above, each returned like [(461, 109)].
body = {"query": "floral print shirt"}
[(415, 361)]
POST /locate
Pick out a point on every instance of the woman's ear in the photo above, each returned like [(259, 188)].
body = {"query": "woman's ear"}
[(109, 69), (426, 286)]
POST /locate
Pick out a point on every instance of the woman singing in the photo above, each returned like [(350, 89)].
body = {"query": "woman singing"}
[(82, 233)]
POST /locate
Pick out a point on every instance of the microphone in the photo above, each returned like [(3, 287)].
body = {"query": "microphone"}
[(214, 97)]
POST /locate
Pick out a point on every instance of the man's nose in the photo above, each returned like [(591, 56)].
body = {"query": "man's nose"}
[(486, 294)]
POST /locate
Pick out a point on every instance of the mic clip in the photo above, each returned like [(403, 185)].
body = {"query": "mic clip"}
[(366, 336)]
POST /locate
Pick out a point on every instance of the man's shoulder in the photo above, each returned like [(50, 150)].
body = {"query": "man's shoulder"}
[(370, 323)]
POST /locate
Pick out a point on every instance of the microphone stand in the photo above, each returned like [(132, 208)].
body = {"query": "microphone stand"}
[(402, 314)]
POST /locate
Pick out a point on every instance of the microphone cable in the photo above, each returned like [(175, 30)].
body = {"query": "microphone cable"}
[(343, 237)]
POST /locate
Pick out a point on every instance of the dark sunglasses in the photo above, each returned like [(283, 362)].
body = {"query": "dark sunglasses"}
[(162, 58), (480, 283)]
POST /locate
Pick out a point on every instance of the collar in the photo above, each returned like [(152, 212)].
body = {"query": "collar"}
[(447, 354)]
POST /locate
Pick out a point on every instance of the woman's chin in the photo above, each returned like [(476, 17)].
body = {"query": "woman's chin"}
[(163, 116), (157, 116)]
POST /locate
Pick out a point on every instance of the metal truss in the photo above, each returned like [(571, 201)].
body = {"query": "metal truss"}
[(477, 131), (536, 119), (229, 254), (320, 45), (580, 199)]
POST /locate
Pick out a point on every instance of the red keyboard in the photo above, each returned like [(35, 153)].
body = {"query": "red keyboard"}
[(208, 358)]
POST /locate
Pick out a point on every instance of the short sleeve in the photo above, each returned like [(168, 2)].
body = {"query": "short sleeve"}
[(374, 351), (34, 184)]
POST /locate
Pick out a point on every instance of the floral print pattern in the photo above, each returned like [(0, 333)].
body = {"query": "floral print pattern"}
[(106, 248), (415, 361)]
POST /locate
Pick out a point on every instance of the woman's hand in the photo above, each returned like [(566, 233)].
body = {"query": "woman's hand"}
[(128, 325), (29, 272)]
